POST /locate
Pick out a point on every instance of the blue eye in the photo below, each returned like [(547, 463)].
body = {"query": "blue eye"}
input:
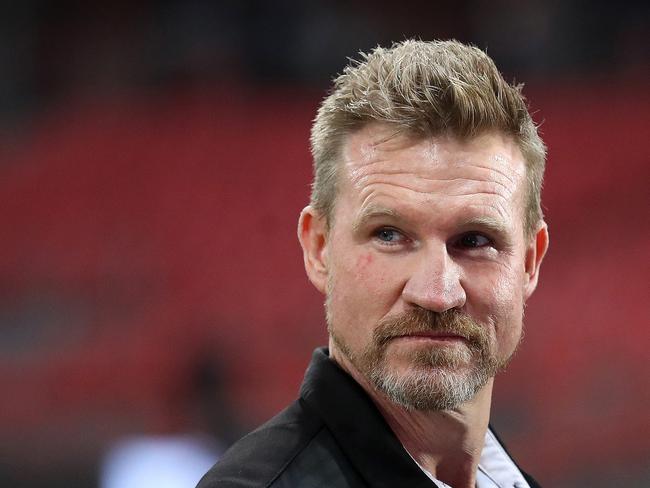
[(386, 235), (474, 240)]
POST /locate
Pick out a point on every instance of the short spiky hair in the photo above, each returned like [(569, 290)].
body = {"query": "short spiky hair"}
[(426, 88)]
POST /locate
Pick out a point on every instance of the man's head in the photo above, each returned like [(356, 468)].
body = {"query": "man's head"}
[(425, 230), (424, 89)]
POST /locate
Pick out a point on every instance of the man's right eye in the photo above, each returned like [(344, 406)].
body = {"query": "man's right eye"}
[(389, 236)]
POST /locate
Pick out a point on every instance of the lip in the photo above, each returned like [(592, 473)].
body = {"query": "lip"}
[(433, 337)]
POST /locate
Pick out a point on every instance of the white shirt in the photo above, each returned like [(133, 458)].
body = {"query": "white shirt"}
[(495, 469)]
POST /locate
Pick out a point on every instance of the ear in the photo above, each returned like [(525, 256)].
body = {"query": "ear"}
[(534, 255), (312, 234)]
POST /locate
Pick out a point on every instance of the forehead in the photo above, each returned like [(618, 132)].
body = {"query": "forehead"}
[(486, 171)]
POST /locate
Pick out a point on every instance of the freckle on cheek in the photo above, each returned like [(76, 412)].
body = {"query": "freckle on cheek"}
[(363, 262)]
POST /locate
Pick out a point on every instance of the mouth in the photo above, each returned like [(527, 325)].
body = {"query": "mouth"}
[(432, 337)]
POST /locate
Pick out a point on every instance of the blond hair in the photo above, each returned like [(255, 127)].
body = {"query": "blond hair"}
[(426, 88)]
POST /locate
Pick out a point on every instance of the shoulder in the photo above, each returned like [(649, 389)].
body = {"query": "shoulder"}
[(275, 454)]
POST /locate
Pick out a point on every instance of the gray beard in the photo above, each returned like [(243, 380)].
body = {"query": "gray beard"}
[(438, 378)]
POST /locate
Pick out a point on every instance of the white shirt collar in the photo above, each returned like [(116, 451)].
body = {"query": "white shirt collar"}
[(495, 470)]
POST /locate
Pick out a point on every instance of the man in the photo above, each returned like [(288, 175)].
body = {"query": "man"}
[(426, 236)]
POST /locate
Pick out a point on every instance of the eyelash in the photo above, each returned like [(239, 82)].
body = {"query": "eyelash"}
[(488, 242), (376, 234)]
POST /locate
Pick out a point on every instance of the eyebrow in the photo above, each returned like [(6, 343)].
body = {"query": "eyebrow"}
[(487, 223), (372, 212)]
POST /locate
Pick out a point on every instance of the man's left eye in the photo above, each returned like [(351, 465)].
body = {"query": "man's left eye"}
[(474, 240)]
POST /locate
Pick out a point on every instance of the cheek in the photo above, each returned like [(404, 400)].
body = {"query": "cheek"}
[(487, 292), (505, 295), (350, 287), (497, 299), (508, 312), (380, 278), (359, 293), (364, 261), (366, 275)]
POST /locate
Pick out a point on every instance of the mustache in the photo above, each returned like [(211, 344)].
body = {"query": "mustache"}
[(421, 320)]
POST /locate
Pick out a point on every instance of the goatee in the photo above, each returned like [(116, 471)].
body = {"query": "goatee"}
[(437, 377)]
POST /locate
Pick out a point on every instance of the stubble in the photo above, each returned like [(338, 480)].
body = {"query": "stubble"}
[(437, 377)]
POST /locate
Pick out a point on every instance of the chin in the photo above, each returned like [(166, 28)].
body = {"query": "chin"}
[(431, 379), (429, 389)]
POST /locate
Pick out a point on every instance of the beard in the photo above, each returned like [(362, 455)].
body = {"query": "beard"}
[(437, 377)]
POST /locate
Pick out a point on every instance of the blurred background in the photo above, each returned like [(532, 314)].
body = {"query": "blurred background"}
[(153, 162)]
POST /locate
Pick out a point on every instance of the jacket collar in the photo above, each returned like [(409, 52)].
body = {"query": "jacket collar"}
[(359, 429)]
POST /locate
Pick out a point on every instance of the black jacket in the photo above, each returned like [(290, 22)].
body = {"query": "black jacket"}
[(332, 436)]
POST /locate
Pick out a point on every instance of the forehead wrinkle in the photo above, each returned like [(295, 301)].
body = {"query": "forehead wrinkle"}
[(371, 166), (371, 211), (361, 172), (495, 175), (506, 188), (427, 146), (360, 176), (508, 176), (491, 209), (475, 193), (364, 158), (372, 171), (373, 191), (429, 186), (498, 207)]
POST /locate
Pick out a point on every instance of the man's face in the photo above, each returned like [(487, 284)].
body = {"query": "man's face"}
[(425, 266)]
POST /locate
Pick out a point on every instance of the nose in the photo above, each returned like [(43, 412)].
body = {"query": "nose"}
[(435, 282)]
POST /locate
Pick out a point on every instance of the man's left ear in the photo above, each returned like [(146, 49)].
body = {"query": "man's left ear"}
[(534, 255)]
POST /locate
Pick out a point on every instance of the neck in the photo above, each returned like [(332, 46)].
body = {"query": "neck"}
[(447, 443)]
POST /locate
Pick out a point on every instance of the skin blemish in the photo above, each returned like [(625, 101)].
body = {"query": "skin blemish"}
[(363, 261)]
